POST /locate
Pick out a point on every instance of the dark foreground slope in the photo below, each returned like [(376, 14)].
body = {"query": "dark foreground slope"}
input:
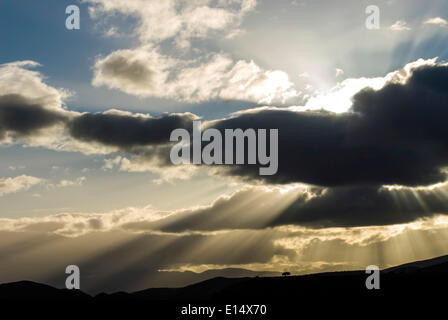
[(404, 290)]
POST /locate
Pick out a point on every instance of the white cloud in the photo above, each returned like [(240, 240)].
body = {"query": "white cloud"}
[(339, 72), (177, 19), (235, 33), (339, 98), (146, 73), (400, 25), (15, 78), (437, 21), (143, 164), (24, 182), (69, 183), (14, 168), (16, 184)]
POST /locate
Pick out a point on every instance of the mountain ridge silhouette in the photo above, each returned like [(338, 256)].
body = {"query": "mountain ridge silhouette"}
[(419, 283)]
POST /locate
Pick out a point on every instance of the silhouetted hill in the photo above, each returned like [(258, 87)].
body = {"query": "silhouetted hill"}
[(28, 290), (422, 266), (175, 279), (202, 291), (420, 284)]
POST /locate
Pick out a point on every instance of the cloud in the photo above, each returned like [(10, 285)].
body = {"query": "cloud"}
[(21, 117), (33, 113), (25, 182), (32, 123), (437, 21), (69, 183), (364, 206), (146, 73), (260, 206), (174, 19), (157, 68), (340, 98), (394, 135), (154, 160), (306, 206), (16, 79), (139, 72), (400, 25), (339, 72), (257, 208), (16, 184), (36, 117), (14, 168), (127, 130), (28, 105)]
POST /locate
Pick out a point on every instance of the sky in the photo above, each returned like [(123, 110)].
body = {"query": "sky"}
[(86, 117)]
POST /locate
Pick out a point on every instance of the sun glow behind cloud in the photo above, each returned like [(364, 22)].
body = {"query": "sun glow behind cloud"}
[(339, 98)]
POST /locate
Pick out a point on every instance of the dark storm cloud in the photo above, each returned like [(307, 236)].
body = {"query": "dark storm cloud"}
[(23, 117), (317, 208), (125, 131), (396, 135), (363, 206)]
